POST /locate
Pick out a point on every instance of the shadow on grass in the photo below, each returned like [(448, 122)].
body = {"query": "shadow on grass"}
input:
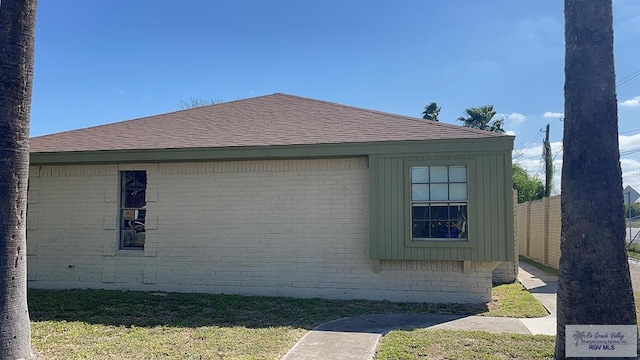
[(144, 309)]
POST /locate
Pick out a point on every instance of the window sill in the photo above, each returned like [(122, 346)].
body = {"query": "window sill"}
[(440, 243), (130, 252)]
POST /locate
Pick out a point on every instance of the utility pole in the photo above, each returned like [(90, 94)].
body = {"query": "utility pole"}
[(548, 163)]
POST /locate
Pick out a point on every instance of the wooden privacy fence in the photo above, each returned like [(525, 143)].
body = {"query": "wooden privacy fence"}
[(538, 227)]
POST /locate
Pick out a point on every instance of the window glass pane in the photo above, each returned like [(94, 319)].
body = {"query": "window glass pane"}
[(438, 173), (134, 198), (444, 194), (128, 214), (440, 221), (420, 174), (141, 215), (420, 226), (139, 198), (420, 212), (457, 173), (458, 191), (134, 179), (128, 180), (459, 220), (134, 184), (439, 191), (128, 237), (440, 212), (132, 214), (140, 179), (127, 198), (420, 229), (139, 239), (440, 229), (419, 192)]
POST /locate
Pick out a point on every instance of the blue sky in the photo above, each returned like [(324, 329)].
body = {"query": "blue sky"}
[(104, 61)]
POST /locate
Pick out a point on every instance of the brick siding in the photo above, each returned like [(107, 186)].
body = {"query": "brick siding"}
[(296, 228)]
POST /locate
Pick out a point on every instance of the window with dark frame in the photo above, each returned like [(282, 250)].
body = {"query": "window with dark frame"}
[(133, 203), (439, 202)]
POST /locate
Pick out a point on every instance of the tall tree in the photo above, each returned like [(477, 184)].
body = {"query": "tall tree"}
[(195, 102), (594, 286), (17, 30), (482, 118), (529, 188), (431, 112)]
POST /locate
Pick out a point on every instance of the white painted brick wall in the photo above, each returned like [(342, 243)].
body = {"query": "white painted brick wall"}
[(295, 228)]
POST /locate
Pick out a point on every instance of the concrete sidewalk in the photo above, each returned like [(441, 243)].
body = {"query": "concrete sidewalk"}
[(356, 338), (545, 288)]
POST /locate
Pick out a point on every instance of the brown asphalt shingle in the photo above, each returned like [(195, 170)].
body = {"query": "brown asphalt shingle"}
[(276, 119)]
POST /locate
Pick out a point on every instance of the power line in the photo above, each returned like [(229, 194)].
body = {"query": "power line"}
[(629, 152), (542, 168), (536, 137), (628, 78), (630, 75), (539, 171), (624, 153)]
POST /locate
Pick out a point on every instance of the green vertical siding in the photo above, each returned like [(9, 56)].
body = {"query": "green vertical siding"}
[(490, 209), (374, 204), (480, 206), (398, 213), (389, 184)]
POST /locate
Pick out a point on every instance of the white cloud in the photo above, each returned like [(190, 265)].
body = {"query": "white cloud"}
[(630, 172), (631, 103), (516, 118), (553, 115), (512, 120), (530, 158), (535, 152), (630, 142)]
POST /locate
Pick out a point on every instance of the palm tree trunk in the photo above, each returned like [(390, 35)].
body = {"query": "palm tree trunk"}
[(594, 286), (17, 25)]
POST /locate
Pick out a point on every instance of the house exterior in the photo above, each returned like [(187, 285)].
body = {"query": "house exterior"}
[(276, 195)]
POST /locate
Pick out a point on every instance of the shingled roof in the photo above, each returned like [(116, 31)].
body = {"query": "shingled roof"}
[(277, 119)]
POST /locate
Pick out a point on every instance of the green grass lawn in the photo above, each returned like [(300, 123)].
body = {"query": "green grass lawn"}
[(463, 345), (510, 300), (99, 324), (513, 300), (633, 250)]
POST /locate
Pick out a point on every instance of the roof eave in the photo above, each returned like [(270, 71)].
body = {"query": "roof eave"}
[(465, 145)]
